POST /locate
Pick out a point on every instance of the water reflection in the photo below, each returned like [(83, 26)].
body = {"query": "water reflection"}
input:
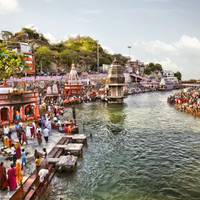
[(116, 113)]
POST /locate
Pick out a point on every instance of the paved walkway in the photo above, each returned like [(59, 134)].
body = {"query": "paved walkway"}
[(30, 148)]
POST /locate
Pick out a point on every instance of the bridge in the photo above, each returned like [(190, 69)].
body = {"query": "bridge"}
[(190, 84), (136, 78)]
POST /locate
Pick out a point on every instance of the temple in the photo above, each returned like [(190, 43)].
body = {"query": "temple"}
[(18, 105), (52, 94), (73, 88), (115, 85)]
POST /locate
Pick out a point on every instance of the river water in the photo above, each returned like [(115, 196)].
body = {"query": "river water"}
[(143, 150)]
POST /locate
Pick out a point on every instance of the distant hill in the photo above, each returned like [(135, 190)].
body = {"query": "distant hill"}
[(81, 50)]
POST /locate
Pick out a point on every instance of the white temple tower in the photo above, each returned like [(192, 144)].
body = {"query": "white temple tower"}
[(115, 85)]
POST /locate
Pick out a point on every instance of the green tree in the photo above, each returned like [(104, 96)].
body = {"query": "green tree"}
[(152, 67), (122, 60), (59, 47), (178, 75), (82, 44), (147, 71), (31, 33), (10, 63), (67, 57), (44, 57), (6, 35), (158, 67)]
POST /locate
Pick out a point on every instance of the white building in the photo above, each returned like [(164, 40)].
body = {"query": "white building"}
[(169, 81), (168, 73), (106, 68)]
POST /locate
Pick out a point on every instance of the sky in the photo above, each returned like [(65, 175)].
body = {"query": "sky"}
[(163, 31)]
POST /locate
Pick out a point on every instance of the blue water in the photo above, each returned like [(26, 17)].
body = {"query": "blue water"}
[(143, 150)]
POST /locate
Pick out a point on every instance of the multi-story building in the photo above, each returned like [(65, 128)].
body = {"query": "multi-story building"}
[(169, 81), (137, 67), (16, 104), (168, 73), (26, 50)]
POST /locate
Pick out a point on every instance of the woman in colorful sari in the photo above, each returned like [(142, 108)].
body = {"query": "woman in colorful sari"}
[(39, 137), (18, 150), (33, 129), (24, 138), (3, 178), (12, 178), (19, 173)]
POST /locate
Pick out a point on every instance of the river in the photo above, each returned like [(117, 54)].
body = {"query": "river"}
[(143, 150)]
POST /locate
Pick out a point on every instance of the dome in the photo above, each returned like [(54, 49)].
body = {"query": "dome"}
[(116, 73), (73, 75)]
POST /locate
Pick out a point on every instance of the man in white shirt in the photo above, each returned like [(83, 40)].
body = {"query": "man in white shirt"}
[(55, 119), (46, 134), (38, 129), (6, 130)]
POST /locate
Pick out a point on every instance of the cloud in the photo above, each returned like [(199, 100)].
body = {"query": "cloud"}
[(168, 64), (9, 6), (84, 20), (92, 12), (32, 27), (52, 39), (154, 47), (48, 1), (182, 55), (88, 15), (160, 1), (108, 49), (188, 42)]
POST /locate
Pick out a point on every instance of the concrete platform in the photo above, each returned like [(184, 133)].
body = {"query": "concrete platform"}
[(53, 160), (74, 148), (77, 138), (60, 146), (67, 163)]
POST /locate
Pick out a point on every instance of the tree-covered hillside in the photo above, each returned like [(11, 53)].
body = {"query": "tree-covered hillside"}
[(81, 50)]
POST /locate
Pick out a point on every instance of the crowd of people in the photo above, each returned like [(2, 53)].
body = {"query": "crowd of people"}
[(14, 143), (188, 100), (15, 140)]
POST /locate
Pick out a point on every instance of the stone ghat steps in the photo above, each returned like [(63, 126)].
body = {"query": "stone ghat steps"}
[(32, 188)]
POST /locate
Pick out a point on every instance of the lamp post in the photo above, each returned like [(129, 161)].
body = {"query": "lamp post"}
[(129, 47), (97, 55)]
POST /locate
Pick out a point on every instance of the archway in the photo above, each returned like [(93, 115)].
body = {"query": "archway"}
[(17, 113), (4, 114), (29, 111)]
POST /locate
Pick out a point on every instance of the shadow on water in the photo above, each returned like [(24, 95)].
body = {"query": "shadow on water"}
[(116, 117), (116, 113)]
